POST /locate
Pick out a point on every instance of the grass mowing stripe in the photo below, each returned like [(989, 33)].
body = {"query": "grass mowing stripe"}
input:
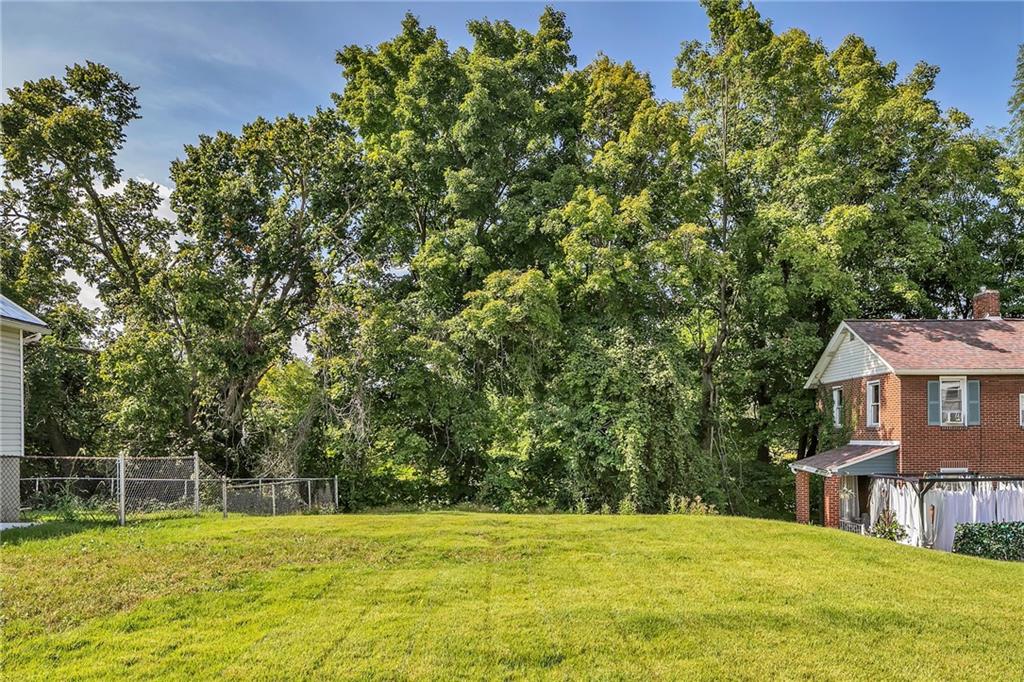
[(337, 642), (477, 596)]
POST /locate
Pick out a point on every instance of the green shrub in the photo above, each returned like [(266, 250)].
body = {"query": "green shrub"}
[(685, 505), (888, 528), (627, 506), (991, 540)]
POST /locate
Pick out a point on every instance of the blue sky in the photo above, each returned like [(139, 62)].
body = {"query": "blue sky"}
[(209, 66)]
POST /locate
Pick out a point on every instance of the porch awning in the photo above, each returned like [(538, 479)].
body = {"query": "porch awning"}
[(851, 459)]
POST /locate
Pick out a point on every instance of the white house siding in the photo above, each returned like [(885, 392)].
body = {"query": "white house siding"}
[(853, 359), (11, 429), (10, 391)]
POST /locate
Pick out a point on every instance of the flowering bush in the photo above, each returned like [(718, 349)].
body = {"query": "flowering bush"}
[(888, 527)]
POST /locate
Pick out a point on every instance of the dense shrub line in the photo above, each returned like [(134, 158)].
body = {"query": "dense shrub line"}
[(991, 540)]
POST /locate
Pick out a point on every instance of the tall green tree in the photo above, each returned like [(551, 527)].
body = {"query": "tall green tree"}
[(62, 409), (212, 299), (524, 283), (464, 151), (832, 190)]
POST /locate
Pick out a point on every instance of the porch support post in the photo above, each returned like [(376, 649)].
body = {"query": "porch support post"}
[(803, 497), (831, 501), (922, 490)]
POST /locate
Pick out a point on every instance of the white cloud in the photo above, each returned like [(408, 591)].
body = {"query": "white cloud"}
[(300, 349), (88, 295), (162, 211)]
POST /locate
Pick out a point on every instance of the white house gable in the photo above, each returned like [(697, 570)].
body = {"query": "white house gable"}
[(846, 357)]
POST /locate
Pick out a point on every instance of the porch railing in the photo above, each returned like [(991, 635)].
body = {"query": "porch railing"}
[(853, 527)]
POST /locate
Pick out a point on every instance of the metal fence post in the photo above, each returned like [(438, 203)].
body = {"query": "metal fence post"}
[(309, 495), (335, 494), (273, 500), (120, 489), (224, 495), (195, 479)]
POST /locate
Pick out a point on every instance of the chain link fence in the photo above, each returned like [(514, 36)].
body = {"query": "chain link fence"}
[(118, 488), (281, 496), (68, 488)]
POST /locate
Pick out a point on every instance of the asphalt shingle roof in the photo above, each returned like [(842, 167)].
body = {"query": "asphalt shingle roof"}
[(833, 460), (990, 343)]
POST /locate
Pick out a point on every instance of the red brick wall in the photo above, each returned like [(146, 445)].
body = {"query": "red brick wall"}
[(855, 409), (831, 501), (985, 304), (994, 447), (803, 497)]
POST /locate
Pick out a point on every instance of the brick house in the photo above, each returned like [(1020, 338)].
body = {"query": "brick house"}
[(916, 397)]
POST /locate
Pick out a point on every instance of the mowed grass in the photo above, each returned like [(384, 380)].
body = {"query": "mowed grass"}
[(460, 595)]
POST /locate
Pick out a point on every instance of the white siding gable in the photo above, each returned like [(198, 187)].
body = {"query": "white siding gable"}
[(10, 391), (853, 358)]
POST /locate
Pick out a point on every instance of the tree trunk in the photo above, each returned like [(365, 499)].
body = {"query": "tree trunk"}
[(812, 447), (58, 443), (801, 447)]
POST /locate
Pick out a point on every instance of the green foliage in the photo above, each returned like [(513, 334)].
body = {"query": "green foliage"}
[(523, 284), (62, 405), (1003, 541), (198, 319), (284, 420), (694, 507), (888, 528), (145, 393)]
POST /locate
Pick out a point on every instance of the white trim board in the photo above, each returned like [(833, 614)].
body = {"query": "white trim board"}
[(24, 326), (21, 388)]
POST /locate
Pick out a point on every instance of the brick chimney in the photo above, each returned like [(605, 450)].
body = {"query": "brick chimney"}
[(986, 304)]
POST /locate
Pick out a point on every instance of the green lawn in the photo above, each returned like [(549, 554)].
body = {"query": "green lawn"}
[(494, 596)]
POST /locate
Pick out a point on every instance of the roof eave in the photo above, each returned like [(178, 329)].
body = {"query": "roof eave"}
[(832, 348), (826, 357), (797, 466), (888, 448), (952, 371), (25, 325)]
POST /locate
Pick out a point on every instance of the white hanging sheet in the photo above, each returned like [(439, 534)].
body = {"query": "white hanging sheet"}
[(948, 504)]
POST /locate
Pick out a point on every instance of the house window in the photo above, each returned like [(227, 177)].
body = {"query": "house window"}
[(1022, 410), (874, 403), (837, 406), (953, 400)]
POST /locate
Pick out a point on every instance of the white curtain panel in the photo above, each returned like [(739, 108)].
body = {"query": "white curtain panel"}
[(949, 504)]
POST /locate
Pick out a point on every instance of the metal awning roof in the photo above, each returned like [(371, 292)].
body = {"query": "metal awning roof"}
[(832, 462), (13, 314)]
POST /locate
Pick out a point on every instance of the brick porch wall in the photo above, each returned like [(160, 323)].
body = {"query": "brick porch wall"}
[(831, 502), (803, 497)]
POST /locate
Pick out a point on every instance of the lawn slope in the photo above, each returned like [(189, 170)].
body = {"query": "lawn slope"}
[(449, 595)]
